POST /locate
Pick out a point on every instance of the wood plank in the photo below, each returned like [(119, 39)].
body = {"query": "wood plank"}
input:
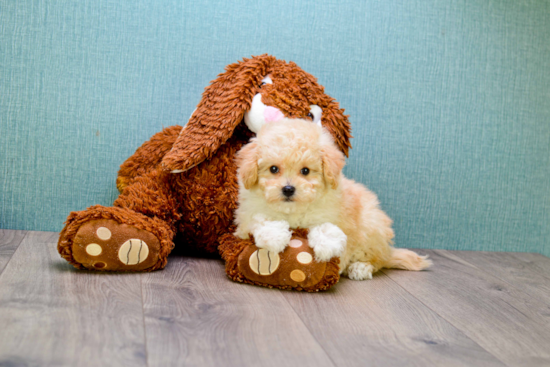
[(53, 314), (9, 241), (196, 316), (508, 267), (500, 318), (537, 262), (377, 323)]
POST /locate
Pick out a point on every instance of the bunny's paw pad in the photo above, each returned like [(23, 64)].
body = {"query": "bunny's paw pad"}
[(105, 244), (294, 268)]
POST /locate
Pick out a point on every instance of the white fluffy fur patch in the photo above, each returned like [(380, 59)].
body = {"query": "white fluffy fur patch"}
[(327, 241), (360, 271), (272, 235)]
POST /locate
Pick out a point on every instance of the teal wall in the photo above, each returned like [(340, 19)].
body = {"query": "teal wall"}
[(449, 101)]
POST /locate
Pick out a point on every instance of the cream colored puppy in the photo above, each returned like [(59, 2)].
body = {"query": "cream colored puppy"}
[(289, 177)]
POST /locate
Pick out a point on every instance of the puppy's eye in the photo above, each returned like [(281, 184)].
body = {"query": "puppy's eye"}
[(305, 171), (263, 83), (310, 115), (273, 169)]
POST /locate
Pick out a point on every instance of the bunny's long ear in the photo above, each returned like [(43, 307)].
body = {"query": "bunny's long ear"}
[(220, 110), (338, 125)]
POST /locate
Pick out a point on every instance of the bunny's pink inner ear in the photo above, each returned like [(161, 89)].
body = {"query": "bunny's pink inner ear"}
[(219, 112), (272, 114)]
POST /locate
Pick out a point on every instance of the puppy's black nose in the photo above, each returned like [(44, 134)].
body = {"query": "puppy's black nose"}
[(288, 191)]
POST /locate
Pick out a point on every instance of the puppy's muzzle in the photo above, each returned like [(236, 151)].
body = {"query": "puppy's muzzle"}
[(288, 191)]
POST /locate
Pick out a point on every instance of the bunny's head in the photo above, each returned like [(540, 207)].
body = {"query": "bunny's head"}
[(255, 91)]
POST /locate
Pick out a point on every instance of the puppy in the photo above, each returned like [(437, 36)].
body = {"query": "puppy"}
[(290, 176)]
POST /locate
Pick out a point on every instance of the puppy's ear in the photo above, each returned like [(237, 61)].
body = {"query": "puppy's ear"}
[(247, 163), (333, 163), (219, 112)]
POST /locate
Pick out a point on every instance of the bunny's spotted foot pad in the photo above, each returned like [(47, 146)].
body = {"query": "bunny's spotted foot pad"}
[(295, 267), (105, 244)]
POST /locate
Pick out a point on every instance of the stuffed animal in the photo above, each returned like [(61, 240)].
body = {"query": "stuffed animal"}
[(183, 181)]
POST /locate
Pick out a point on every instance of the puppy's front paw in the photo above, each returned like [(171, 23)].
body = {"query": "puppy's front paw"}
[(327, 241), (272, 235)]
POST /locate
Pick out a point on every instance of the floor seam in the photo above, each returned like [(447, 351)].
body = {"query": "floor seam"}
[(309, 330), (13, 254), (143, 318)]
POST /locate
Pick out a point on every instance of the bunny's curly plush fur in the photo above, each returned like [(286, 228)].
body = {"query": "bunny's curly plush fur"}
[(183, 180)]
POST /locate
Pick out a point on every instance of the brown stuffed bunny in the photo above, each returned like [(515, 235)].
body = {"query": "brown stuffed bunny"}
[(183, 181)]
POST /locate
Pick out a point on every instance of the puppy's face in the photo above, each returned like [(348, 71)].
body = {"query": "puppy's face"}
[(291, 164), (291, 179)]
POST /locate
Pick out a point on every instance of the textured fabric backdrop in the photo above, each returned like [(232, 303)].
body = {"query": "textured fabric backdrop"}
[(449, 102)]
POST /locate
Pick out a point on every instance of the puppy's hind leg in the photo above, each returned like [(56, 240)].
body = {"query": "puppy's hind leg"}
[(360, 270)]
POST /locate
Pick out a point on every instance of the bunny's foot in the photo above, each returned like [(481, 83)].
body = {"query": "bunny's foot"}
[(294, 268), (115, 239)]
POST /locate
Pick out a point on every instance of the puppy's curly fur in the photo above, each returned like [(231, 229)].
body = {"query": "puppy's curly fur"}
[(290, 176)]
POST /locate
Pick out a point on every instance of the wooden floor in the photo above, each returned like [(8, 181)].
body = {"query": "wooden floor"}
[(471, 309)]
